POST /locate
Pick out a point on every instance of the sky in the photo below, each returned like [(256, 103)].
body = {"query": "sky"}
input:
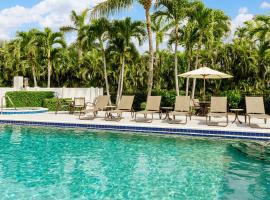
[(21, 15)]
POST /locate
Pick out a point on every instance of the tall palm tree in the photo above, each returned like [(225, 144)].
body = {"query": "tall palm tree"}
[(98, 30), (159, 28), (174, 11), (189, 39), (50, 43), (122, 32), (29, 48), (212, 24), (78, 26), (111, 6)]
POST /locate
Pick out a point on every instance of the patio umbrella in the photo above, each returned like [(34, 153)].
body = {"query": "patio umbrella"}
[(205, 73)]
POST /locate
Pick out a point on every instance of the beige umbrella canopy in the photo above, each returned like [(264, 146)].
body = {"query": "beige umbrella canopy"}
[(205, 73)]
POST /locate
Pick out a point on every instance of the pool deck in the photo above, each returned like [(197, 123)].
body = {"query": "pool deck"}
[(196, 127)]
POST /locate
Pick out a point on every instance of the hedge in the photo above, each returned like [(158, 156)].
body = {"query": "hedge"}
[(27, 98), (51, 104)]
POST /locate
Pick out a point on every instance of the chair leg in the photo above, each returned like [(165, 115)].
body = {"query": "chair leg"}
[(186, 119), (265, 120)]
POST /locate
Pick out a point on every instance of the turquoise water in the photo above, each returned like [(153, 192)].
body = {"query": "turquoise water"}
[(41, 163)]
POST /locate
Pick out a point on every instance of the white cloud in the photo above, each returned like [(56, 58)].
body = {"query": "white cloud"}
[(265, 5), (239, 20), (52, 13)]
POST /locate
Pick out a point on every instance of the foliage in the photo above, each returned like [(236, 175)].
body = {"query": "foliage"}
[(52, 103), (234, 98), (27, 98)]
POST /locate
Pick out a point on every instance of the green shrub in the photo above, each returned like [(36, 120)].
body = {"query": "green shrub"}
[(168, 96), (143, 105), (51, 104), (234, 98), (27, 98)]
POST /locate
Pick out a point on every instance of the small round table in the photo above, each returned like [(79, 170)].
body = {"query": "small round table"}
[(167, 111), (236, 111), (204, 107)]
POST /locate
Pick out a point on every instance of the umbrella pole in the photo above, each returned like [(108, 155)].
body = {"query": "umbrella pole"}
[(204, 88)]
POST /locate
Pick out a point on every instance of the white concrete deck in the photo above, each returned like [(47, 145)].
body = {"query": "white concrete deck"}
[(196, 123)]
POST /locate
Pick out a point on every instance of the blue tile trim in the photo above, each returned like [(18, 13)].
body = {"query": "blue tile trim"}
[(140, 129)]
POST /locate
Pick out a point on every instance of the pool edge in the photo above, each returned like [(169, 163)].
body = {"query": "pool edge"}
[(158, 130)]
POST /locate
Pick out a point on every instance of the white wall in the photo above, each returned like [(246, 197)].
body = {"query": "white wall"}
[(88, 93)]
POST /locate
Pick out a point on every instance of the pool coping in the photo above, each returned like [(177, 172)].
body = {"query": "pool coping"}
[(192, 132), (24, 112)]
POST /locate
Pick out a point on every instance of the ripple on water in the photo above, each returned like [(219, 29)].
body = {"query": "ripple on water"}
[(46, 163)]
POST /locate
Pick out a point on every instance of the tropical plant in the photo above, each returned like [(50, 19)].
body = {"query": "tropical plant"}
[(121, 34), (175, 13), (51, 43), (111, 6), (28, 43)]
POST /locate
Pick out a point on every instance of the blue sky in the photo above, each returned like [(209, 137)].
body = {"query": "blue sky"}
[(25, 14)]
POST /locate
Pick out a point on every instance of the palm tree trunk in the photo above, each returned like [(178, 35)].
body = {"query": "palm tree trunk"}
[(49, 73), (120, 81), (196, 67), (176, 61), (34, 75), (156, 67), (122, 78), (105, 74), (151, 53), (188, 69), (194, 80), (49, 69)]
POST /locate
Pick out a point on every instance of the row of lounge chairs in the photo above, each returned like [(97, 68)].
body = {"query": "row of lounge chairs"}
[(218, 108)]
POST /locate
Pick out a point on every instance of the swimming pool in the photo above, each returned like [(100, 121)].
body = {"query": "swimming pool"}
[(46, 163)]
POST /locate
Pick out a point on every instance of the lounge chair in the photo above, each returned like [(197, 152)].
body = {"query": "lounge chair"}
[(181, 108), (255, 109), (152, 107), (125, 105), (78, 104), (218, 108), (100, 104)]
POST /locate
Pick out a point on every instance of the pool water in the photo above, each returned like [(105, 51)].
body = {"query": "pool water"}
[(46, 163)]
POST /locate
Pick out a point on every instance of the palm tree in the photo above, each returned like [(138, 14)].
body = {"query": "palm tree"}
[(259, 30), (122, 32), (159, 28), (98, 30), (50, 43), (29, 48), (189, 38), (78, 26), (110, 6), (211, 24), (175, 12)]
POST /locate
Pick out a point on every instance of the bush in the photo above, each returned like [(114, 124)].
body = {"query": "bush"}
[(27, 98), (143, 105), (234, 98), (168, 96), (51, 104)]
